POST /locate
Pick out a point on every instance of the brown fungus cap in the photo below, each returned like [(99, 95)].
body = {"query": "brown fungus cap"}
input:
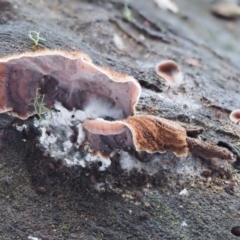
[(170, 71), (69, 78), (142, 133), (235, 116), (155, 134)]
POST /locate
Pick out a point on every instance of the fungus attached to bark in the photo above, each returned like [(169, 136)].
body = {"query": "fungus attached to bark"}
[(235, 116), (91, 103), (74, 89), (171, 72), (69, 78), (150, 134), (141, 133)]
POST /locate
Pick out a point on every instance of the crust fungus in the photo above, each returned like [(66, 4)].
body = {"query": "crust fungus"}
[(171, 72), (90, 103), (235, 116)]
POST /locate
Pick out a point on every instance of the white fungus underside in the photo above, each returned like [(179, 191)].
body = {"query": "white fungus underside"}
[(57, 127)]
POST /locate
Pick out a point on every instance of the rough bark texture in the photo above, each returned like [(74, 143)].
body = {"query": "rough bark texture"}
[(40, 197)]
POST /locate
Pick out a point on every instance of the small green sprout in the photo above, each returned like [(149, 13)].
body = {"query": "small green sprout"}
[(35, 37), (39, 105), (127, 13)]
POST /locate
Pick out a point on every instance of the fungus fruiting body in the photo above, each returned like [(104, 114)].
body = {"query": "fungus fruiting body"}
[(66, 88), (235, 116), (69, 78), (171, 72), (141, 133), (87, 108), (147, 133)]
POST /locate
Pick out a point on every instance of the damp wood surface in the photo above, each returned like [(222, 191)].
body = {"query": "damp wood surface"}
[(42, 198)]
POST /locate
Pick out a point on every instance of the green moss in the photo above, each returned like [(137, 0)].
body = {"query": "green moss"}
[(39, 106), (98, 237), (127, 13), (65, 227), (162, 212), (35, 37)]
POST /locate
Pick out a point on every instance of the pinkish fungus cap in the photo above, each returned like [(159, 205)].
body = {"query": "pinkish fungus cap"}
[(67, 77), (235, 116), (171, 72), (103, 127)]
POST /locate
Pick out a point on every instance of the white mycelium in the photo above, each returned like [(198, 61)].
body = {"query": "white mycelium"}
[(20, 128), (63, 136), (98, 108)]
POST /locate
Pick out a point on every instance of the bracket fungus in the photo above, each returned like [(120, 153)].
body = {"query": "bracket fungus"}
[(89, 108), (171, 72), (150, 134), (235, 116), (69, 78), (141, 133)]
